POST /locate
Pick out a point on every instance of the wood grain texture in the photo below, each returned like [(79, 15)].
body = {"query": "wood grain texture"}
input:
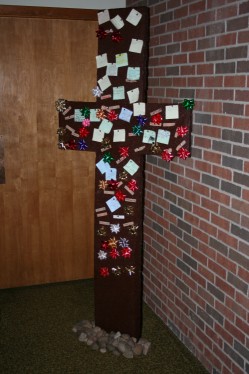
[(47, 203), (48, 12)]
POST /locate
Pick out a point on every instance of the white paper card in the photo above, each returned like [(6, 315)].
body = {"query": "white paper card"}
[(117, 22), (134, 17), (106, 126), (112, 70), (133, 74), (171, 112), (149, 136), (104, 82), (125, 114), (136, 45), (111, 174), (93, 116), (121, 60), (119, 135), (118, 93), (98, 135), (113, 204), (103, 166), (131, 167), (78, 117), (101, 60), (103, 16), (163, 136), (139, 109), (133, 95)]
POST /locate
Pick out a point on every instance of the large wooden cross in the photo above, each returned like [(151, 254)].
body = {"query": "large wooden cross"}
[(120, 127)]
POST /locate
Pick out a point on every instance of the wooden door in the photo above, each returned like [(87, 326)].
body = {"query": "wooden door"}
[(47, 201)]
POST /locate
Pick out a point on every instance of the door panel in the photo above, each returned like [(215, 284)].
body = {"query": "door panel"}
[(47, 202)]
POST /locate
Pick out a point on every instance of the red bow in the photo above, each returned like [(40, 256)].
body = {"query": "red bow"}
[(83, 132), (104, 272), (113, 184), (157, 118), (104, 244), (124, 151), (126, 252), (114, 253), (167, 155), (133, 185), (116, 37), (182, 130), (120, 196), (183, 153), (112, 115), (101, 33)]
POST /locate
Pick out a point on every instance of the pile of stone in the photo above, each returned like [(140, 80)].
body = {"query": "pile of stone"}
[(119, 344)]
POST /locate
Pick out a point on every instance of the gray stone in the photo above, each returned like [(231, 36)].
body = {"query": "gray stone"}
[(146, 348), (110, 347), (125, 337), (142, 341), (115, 342), (128, 354), (82, 337), (96, 329), (138, 349), (131, 343), (116, 353), (95, 346), (117, 335), (122, 347), (89, 342), (119, 344)]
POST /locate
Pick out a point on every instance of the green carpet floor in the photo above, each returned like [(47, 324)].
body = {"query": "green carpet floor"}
[(36, 336)]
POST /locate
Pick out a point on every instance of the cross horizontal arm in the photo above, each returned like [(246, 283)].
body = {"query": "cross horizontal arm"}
[(127, 129)]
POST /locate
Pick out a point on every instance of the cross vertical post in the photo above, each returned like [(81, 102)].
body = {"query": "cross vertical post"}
[(121, 128)]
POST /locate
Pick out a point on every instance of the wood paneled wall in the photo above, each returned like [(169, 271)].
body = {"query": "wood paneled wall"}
[(47, 203)]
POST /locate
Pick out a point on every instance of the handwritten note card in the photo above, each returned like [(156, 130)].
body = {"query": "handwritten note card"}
[(112, 70), (78, 117), (133, 95), (111, 174), (149, 136), (93, 116), (133, 74), (117, 22), (101, 60), (125, 114), (131, 167), (118, 93), (171, 112), (136, 45), (103, 166), (106, 126), (122, 60), (98, 135), (163, 136), (104, 83), (119, 135), (139, 109), (103, 17), (113, 204), (134, 17)]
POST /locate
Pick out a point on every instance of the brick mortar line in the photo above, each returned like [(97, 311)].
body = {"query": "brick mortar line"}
[(225, 47)]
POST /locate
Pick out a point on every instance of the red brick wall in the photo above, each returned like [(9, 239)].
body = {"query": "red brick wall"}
[(196, 260)]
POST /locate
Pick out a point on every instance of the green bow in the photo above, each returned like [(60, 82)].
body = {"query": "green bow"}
[(188, 104)]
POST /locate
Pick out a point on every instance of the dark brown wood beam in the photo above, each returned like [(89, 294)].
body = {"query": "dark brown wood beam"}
[(47, 12)]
